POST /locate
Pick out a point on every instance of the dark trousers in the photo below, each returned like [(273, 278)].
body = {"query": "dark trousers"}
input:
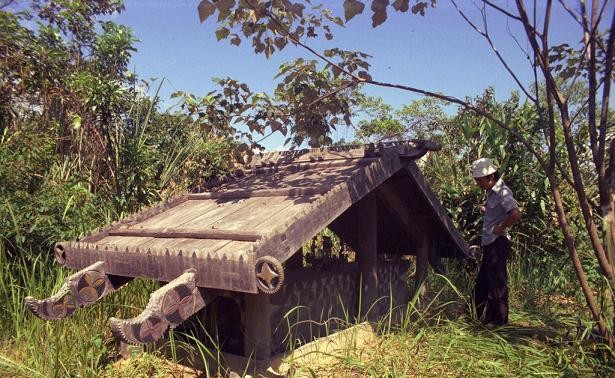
[(491, 290)]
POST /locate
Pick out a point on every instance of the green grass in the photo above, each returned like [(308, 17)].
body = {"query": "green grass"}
[(437, 338)]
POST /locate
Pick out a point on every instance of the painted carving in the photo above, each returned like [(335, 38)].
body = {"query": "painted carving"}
[(269, 274), (79, 290), (168, 307)]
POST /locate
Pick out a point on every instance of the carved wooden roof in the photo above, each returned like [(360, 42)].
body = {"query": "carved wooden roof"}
[(270, 209)]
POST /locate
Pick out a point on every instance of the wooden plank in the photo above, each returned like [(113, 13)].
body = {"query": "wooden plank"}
[(284, 192), (436, 207), (142, 215), (172, 217), (122, 242), (299, 166), (282, 218), (213, 218), (286, 238), (187, 211), (177, 233), (301, 179), (269, 210)]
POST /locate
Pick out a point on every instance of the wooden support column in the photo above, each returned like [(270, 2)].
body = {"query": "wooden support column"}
[(367, 254), (422, 265), (257, 320)]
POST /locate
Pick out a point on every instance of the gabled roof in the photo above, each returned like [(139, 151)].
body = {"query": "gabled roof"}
[(271, 209)]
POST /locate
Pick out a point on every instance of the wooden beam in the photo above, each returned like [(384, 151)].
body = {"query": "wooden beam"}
[(284, 192), (298, 167), (411, 148), (422, 264), (399, 209), (176, 233), (367, 255), (257, 323), (437, 208)]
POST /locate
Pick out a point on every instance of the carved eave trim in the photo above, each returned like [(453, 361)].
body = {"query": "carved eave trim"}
[(213, 269)]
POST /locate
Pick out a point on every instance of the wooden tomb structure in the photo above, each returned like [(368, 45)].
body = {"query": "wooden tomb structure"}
[(242, 241)]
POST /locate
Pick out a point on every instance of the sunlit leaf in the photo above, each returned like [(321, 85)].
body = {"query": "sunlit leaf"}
[(379, 7), (206, 9), (280, 42), (224, 8), (419, 8), (352, 8), (401, 5), (76, 124), (222, 33)]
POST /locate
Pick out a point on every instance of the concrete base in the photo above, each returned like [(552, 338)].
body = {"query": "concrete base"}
[(318, 352)]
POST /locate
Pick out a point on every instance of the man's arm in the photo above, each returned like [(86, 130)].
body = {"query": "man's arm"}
[(513, 217)]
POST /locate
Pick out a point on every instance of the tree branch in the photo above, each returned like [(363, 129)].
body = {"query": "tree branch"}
[(486, 35), (604, 113), (504, 11)]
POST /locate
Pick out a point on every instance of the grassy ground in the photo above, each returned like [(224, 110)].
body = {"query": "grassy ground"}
[(438, 340)]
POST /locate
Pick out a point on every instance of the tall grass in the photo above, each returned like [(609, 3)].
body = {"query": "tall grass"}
[(437, 337)]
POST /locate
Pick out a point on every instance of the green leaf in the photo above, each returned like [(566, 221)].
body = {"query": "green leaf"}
[(206, 9), (76, 122), (352, 8)]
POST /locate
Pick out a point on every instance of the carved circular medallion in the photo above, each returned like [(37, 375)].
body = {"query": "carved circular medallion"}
[(91, 286), (63, 307), (151, 329), (178, 304), (269, 274)]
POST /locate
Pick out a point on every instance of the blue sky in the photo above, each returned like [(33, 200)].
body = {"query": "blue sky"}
[(438, 52)]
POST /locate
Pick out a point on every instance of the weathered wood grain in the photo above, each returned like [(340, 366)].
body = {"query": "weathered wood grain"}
[(282, 242), (179, 233)]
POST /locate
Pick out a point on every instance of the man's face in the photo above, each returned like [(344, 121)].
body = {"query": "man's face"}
[(485, 182)]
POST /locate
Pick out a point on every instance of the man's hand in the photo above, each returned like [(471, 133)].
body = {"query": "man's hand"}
[(499, 229), (514, 216)]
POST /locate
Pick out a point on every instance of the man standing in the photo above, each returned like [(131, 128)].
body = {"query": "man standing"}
[(500, 213)]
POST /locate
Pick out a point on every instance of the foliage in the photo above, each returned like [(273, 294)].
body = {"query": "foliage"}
[(563, 130)]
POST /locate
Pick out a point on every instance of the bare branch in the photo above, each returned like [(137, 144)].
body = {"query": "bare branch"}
[(486, 35), (507, 13), (575, 16), (470, 107)]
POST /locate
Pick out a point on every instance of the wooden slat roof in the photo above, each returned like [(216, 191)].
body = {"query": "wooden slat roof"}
[(270, 209)]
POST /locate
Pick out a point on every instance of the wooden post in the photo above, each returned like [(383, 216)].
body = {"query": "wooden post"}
[(422, 264), (257, 326), (367, 254)]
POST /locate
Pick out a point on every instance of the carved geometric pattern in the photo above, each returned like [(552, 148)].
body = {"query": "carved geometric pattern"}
[(269, 274), (168, 306), (79, 290), (91, 286)]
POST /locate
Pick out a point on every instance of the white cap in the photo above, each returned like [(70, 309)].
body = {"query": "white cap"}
[(483, 167)]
